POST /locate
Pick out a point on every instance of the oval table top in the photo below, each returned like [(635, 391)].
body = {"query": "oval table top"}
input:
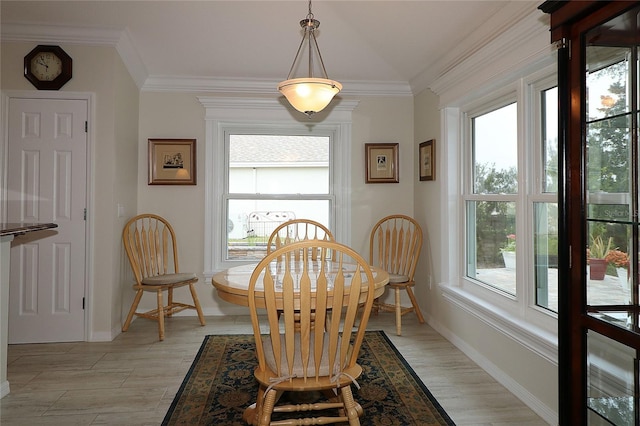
[(232, 284)]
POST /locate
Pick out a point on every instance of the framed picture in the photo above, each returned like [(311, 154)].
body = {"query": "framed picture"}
[(382, 162), (427, 158), (172, 161)]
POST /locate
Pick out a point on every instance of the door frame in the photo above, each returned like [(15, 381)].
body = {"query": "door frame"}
[(5, 96)]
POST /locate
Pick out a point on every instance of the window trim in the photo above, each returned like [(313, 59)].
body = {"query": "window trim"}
[(520, 311), (252, 113), (275, 130)]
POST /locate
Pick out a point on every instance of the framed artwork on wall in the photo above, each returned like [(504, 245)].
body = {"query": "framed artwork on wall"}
[(172, 161), (427, 158), (381, 163)]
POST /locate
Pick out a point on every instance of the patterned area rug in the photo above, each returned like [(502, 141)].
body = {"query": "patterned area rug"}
[(220, 385)]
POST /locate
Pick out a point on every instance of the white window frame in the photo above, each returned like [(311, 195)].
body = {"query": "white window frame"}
[(471, 112), (519, 316), (268, 115)]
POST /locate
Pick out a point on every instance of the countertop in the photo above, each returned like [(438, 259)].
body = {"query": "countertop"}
[(23, 228)]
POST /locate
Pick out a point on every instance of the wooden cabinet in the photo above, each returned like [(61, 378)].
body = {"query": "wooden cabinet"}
[(598, 84)]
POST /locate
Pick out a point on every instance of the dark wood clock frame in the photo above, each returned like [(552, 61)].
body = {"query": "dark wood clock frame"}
[(61, 79)]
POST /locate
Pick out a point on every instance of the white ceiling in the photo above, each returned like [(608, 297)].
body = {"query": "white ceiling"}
[(408, 43)]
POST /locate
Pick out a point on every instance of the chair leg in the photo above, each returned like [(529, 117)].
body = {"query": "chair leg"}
[(196, 303), (416, 308), (170, 301), (350, 406), (132, 311), (160, 315), (398, 312), (267, 408)]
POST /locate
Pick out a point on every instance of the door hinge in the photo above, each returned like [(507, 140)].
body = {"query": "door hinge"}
[(85, 213), (86, 126), (83, 303), (563, 43)]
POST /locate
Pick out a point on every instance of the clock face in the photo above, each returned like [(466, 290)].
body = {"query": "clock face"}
[(46, 66)]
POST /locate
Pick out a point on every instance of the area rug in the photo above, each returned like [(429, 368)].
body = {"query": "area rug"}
[(220, 385)]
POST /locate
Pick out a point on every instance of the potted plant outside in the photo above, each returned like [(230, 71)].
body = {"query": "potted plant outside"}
[(596, 254), (509, 252), (620, 261)]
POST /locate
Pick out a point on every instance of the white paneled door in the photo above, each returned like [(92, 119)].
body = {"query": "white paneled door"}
[(46, 182)]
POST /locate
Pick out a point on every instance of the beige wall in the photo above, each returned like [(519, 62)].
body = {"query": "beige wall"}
[(113, 131), (181, 115), (426, 199)]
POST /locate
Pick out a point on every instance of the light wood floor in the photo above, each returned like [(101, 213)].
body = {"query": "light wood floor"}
[(132, 380)]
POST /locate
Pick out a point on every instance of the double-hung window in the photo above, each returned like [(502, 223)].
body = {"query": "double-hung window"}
[(270, 179), (491, 203), (510, 196), (264, 167)]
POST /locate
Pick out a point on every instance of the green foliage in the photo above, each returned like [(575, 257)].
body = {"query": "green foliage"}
[(488, 180), (494, 219), (598, 249)]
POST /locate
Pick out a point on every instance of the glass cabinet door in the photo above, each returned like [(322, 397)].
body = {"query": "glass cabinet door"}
[(599, 302), (611, 199), (610, 116)]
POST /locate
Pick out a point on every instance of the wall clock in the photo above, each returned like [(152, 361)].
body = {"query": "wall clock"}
[(47, 67)]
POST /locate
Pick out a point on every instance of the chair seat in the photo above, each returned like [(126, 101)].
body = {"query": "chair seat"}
[(349, 377), (298, 369), (169, 278), (395, 278)]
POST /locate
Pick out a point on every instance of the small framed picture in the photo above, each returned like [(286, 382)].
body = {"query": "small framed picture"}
[(172, 161), (382, 162), (427, 158)]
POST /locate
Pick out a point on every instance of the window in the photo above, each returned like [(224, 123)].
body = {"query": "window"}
[(272, 179), (510, 198), (545, 205), (260, 159), (491, 208)]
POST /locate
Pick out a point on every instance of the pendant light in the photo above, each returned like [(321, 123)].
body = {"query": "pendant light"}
[(309, 94)]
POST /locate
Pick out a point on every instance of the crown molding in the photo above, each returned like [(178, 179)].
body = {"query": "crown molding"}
[(520, 46), (59, 34), (131, 59), (503, 21)]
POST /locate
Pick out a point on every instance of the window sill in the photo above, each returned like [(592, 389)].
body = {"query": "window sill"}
[(530, 335)]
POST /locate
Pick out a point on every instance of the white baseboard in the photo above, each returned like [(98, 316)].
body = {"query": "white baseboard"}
[(538, 407), (4, 388)]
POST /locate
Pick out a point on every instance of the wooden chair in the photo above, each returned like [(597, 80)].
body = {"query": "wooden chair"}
[(298, 351), (394, 245), (150, 244), (296, 230)]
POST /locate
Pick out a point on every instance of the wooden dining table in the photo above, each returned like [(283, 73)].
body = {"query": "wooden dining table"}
[(232, 284)]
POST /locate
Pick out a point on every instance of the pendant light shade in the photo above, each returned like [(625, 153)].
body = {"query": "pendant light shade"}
[(309, 94)]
